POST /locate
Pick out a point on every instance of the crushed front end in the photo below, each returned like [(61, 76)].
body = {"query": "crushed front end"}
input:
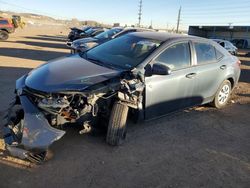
[(27, 132), (35, 119)]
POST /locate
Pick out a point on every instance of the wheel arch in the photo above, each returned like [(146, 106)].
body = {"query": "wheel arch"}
[(231, 80), (4, 30)]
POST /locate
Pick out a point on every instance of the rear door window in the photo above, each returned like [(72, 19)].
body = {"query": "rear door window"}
[(176, 57), (205, 53)]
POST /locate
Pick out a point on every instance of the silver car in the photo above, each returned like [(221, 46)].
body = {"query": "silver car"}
[(227, 45), (149, 73)]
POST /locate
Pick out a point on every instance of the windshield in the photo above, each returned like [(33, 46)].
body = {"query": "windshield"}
[(124, 52), (89, 31), (108, 34)]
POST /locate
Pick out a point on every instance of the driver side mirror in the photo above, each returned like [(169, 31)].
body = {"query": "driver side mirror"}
[(157, 69)]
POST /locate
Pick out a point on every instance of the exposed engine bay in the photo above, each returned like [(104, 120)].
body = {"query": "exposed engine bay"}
[(45, 114)]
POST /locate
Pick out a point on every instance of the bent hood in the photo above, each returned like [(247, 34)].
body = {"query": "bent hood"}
[(68, 74)]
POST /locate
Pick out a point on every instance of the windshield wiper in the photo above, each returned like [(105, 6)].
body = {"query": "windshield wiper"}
[(95, 60), (99, 62)]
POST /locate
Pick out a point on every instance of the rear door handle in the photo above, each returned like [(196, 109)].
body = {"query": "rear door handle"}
[(191, 75), (223, 67)]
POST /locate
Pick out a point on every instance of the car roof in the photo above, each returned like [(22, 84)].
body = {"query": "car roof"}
[(138, 28), (162, 36)]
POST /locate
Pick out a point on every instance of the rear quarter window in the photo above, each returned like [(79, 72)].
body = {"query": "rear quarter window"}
[(205, 53)]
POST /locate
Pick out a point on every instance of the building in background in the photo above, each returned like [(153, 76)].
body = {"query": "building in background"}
[(238, 35)]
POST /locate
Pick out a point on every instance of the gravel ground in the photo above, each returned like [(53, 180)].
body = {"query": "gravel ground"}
[(198, 147)]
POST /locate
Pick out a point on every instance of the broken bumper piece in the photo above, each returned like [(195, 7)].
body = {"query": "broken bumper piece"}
[(37, 135)]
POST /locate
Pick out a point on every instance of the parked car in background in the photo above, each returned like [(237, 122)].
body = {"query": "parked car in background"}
[(93, 31), (6, 27), (83, 33), (149, 74), (84, 44), (227, 45), (240, 43), (75, 32)]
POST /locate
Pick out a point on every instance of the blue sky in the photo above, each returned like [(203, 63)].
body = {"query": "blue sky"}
[(163, 13)]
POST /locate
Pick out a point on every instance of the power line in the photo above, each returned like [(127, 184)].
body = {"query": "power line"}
[(216, 23), (32, 10), (200, 6), (217, 12), (229, 2), (216, 16)]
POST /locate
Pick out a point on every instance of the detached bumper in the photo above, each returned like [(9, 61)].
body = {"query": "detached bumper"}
[(37, 134)]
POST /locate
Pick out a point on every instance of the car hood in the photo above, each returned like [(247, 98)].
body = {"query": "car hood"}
[(71, 73)]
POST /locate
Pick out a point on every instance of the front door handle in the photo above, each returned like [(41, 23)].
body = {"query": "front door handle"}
[(191, 75), (223, 67)]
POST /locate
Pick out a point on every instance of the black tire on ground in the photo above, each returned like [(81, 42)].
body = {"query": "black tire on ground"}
[(116, 133), (3, 35), (217, 102)]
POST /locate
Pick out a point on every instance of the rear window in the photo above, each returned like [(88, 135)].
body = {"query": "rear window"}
[(4, 22), (205, 53)]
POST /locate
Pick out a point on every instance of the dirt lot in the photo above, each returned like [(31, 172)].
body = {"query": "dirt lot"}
[(198, 147)]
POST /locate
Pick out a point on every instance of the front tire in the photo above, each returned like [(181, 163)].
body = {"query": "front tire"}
[(4, 35), (116, 133), (222, 95)]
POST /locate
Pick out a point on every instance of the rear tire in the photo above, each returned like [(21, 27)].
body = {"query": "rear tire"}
[(4, 35), (222, 96), (116, 133)]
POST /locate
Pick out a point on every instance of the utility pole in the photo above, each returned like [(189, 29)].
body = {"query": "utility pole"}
[(178, 20), (151, 25), (140, 13)]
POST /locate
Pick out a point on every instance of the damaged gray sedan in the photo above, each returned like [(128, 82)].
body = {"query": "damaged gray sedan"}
[(148, 74)]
